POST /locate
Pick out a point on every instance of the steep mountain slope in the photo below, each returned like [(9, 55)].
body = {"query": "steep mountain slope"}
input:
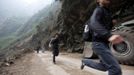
[(17, 28), (70, 21), (47, 24), (9, 28), (41, 21), (11, 25)]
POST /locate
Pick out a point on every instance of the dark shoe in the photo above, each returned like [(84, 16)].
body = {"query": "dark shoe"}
[(82, 66), (54, 62)]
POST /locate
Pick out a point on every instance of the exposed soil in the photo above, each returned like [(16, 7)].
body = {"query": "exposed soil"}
[(67, 64)]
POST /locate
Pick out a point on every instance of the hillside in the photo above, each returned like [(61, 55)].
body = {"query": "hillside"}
[(46, 24), (11, 25), (16, 28), (9, 28), (16, 41), (70, 22), (66, 17)]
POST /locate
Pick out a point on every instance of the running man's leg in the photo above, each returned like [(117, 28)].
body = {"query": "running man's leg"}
[(90, 63), (105, 54), (54, 59)]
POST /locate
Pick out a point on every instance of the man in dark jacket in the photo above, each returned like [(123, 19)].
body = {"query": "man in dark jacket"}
[(101, 25), (55, 46), (38, 46)]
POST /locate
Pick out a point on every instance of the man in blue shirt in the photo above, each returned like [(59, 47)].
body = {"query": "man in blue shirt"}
[(101, 25)]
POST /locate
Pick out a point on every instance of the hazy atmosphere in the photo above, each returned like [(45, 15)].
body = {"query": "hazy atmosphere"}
[(9, 8), (66, 37), (15, 16)]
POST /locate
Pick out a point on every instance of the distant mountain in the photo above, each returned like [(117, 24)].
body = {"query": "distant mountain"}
[(8, 29), (36, 20), (44, 18), (11, 25), (48, 24), (17, 28)]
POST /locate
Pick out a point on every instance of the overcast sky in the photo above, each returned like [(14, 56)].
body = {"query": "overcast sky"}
[(21, 7)]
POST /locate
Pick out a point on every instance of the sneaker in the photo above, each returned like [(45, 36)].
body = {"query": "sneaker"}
[(82, 65)]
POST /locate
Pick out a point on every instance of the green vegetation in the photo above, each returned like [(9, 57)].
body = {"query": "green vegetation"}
[(10, 30), (9, 40), (17, 29), (4, 42)]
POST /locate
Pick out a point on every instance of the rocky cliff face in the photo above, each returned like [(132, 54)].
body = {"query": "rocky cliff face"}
[(69, 21)]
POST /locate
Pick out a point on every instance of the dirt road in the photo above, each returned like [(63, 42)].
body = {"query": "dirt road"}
[(67, 64)]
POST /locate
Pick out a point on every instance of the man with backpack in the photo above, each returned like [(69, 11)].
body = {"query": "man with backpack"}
[(101, 26)]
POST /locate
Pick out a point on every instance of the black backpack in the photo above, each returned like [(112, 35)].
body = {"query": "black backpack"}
[(87, 34)]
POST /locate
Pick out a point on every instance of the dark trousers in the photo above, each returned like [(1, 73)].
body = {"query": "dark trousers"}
[(55, 53), (107, 60), (54, 58), (38, 49)]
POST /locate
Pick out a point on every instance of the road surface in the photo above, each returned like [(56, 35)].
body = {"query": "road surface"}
[(67, 64)]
